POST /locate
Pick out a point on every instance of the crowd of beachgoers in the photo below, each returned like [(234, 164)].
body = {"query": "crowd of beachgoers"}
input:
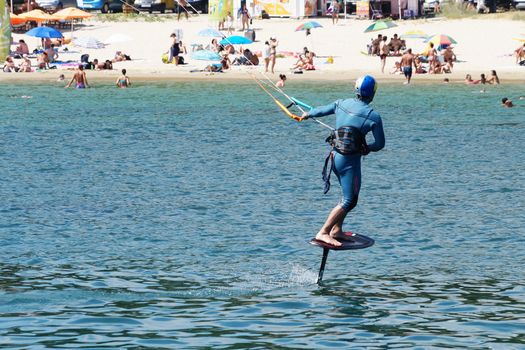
[(278, 50)]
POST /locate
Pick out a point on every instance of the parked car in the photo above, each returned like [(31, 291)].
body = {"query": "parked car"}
[(104, 6), (155, 5), (51, 5), (519, 4)]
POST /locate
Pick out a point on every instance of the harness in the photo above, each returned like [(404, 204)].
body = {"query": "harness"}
[(346, 140)]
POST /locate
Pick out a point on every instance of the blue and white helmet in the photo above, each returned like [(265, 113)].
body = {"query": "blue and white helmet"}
[(365, 88)]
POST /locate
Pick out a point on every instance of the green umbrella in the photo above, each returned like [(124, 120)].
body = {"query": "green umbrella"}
[(380, 25)]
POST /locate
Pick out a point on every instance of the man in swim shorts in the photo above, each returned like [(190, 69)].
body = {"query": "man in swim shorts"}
[(407, 60), (80, 78), (354, 119)]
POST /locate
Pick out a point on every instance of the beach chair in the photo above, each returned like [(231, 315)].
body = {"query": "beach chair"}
[(376, 12)]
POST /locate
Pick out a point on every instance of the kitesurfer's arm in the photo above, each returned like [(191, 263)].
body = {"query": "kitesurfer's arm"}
[(321, 111), (379, 136)]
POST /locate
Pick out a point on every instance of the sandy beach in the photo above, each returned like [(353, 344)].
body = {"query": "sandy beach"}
[(483, 44)]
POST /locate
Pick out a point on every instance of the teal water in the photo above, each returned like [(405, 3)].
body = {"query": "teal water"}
[(177, 216)]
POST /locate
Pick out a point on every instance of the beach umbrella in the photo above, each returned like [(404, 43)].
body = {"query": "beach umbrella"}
[(380, 25), (308, 25), (16, 20), (414, 34), (235, 40), (205, 55), (71, 13), (210, 32), (117, 39), (37, 16), (44, 32), (88, 43), (441, 41)]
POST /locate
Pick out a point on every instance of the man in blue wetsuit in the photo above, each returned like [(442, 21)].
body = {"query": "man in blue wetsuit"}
[(354, 119)]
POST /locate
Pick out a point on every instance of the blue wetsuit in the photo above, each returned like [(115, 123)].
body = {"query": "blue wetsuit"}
[(347, 168)]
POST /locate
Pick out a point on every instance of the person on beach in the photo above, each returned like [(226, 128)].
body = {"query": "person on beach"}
[(174, 50), (383, 52), (123, 81), (407, 60), (375, 45), (244, 14), (43, 61), (505, 102), (494, 79), (266, 54), (181, 7), (22, 48), (432, 57), (335, 12), (79, 78), (449, 57), (9, 65), (25, 66), (273, 52), (229, 23), (282, 80), (354, 119), (52, 54)]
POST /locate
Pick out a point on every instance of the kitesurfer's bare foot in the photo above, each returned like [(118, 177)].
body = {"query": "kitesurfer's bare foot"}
[(345, 236), (325, 237)]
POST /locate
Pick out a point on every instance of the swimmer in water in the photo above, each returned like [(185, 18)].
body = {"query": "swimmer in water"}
[(354, 119), (282, 80), (80, 78), (123, 81), (505, 102)]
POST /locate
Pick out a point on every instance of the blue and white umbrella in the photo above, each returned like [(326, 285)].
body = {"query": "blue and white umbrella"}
[(235, 40), (205, 55), (88, 43), (44, 32), (210, 32)]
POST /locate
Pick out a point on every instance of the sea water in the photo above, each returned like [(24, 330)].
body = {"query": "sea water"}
[(177, 215)]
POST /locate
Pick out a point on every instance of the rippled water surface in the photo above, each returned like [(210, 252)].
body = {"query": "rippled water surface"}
[(177, 216)]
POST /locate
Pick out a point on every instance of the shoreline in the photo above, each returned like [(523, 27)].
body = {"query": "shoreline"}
[(94, 77)]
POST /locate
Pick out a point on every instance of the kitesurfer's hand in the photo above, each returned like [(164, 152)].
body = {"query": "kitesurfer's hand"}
[(305, 116)]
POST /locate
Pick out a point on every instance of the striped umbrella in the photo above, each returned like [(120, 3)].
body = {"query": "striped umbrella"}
[(88, 43), (380, 25), (308, 25), (441, 41)]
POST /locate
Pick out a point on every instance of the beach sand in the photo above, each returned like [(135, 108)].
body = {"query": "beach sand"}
[(483, 44)]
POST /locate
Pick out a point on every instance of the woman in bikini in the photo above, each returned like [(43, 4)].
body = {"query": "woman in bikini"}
[(273, 52), (123, 81)]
